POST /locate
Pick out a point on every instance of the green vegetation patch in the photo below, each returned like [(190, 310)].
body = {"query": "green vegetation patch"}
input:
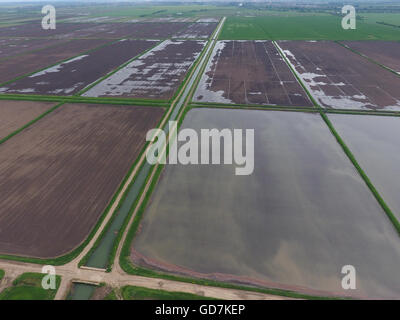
[(28, 286), (303, 27), (111, 296), (1, 274), (139, 293), (388, 18)]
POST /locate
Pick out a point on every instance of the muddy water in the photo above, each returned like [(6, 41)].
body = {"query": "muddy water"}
[(301, 216), (375, 143), (82, 291)]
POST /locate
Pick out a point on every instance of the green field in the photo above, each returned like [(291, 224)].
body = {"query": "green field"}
[(391, 18), (303, 27), (1, 274), (139, 293), (157, 11), (28, 287)]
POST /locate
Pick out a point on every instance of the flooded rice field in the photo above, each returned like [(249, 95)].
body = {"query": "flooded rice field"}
[(156, 74), (143, 30), (13, 46), (383, 52), (34, 29), (72, 76), (341, 79), (249, 72), (197, 30), (23, 64), (375, 143), (294, 223)]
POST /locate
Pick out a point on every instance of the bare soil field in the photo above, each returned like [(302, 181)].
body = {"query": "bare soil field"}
[(170, 19), (15, 114), (383, 52), (341, 79), (208, 20), (157, 74), (293, 223), (72, 76), (89, 32), (30, 62), (58, 175), (142, 30), (14, 46), (197, 30), (34, 29), (249, 72)]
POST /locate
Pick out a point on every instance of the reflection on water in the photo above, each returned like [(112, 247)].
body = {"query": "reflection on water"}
[(301, 216), (375, 143)]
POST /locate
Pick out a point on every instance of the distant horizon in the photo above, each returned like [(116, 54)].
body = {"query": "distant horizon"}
[(200, 1)]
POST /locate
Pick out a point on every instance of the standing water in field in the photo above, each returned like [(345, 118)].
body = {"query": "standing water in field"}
[(294, 223)]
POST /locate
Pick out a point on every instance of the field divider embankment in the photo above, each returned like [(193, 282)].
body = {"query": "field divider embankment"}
[(79, 99), (368, 58), (346, 149), (382, 113), (96, 241), (253, 107)]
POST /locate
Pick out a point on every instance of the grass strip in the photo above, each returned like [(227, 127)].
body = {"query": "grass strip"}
[(265, 108), (28, 286), (76, 99), (247, 105), (140, 293)]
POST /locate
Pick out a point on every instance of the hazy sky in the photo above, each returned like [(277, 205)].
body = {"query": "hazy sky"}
[(299, 1)]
